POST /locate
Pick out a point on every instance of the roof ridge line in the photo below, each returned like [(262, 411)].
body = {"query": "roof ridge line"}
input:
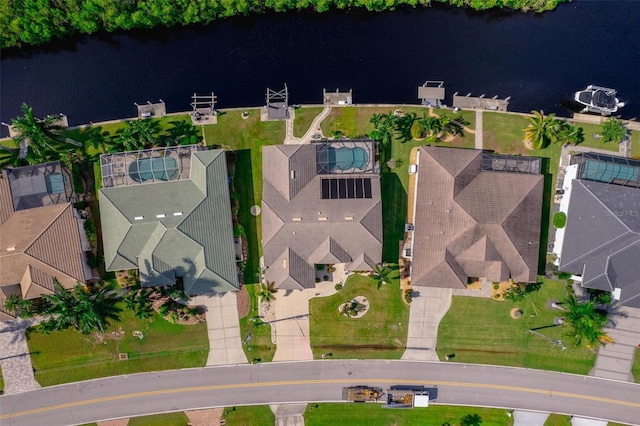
[(599, 247), (46, 228), (603, 204)]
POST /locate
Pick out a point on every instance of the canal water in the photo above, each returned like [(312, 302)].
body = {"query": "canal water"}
[(538, 60)]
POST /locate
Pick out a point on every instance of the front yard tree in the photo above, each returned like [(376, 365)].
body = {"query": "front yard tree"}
[(267, 292), (585, 323), (381, 274), (613, 130), (20, 307), (79, 308)]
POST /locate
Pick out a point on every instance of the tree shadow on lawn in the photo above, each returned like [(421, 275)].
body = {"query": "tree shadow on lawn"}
[(547, 201), (394, 210)]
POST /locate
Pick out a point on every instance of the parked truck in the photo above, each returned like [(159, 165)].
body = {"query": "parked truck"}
[(362, 394), (410, 396)]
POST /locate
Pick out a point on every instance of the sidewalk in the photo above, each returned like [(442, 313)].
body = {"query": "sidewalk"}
[(479, 129), (17, 371)]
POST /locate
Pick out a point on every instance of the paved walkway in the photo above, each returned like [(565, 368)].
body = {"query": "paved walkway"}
[(428, 306), (289, 138), (223, 328), (314, 128), (529, 418), (615, 359), (479, 139), (15, 360), (289, 414)]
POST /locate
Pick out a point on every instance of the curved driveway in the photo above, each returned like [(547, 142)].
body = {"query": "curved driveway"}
[(318, 381)]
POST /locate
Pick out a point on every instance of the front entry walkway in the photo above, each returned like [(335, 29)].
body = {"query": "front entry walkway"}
[(223, 328), (289, 414), (428, 307), (15, 360), (615, 360)]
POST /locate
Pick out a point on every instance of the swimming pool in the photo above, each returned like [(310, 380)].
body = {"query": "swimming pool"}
[(144, 169), (344, 158)]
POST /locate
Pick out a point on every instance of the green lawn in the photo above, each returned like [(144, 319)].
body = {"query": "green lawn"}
[(380, 333), (68, 356), (557, 420), (374, 414), (588, 131), (259, 348), (635, 367), (635, 144), (480, 331), (303, 119), (252, 415), (166, 419), (1, 383)]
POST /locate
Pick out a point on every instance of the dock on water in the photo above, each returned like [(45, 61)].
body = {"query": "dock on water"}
[(149, 110), (337, 97), (481, 102)]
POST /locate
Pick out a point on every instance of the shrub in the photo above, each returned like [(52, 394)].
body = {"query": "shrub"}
[(496, 286), (238, 231), (338, 287), (92, 260), (317, 280), (496, 296), (564, 275), (326, 277), (319, 267), (76, 179), (90, 229), (408, 296), (560, 220)]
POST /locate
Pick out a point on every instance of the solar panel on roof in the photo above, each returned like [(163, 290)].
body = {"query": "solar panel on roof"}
[(367, 188)]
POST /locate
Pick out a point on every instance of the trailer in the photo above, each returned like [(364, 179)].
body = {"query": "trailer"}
[(410, 396), (362, 394)]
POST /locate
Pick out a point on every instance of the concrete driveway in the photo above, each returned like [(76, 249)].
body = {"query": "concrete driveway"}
[(428, 306), (615, 359), (223, 328)]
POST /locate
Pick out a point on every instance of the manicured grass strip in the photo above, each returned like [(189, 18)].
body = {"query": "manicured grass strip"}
[(166, 419), (635, 367), (635, 144), (258, 347), (251, 415), (303, 119), (589, 132), (373, 414), (481, 331), (68, 356), (557, 420), (380, 333), (243, 185)]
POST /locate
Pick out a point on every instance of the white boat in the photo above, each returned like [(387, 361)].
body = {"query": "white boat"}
[(601, 100)]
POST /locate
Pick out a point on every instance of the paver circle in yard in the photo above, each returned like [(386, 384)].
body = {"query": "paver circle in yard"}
[(355, 308), (255, 210), (515, 313)]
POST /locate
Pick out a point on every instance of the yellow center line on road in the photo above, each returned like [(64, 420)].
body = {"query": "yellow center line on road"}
[(312, 382)]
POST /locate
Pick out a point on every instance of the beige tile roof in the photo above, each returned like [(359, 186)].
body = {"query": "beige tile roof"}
[(6, 205), (473, 223), (39, 244)]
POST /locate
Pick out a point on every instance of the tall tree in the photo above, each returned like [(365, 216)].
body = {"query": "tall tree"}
[(79, 308), (268, 292), (584, 323), (612, 130), (471, 420), (381, 275), (43, 136), (540, 130)]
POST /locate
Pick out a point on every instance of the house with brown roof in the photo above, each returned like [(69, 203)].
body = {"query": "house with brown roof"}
[(37, 244), (320, 205), (476, 215)]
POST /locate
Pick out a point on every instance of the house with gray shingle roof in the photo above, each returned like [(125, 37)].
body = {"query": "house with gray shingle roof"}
[(476, 215), (167, 212), (37, 245), (320, 205), (601, 240)]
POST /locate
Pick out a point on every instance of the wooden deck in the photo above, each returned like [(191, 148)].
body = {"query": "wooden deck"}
[(471, 102)]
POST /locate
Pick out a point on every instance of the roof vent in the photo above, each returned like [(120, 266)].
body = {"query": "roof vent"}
[(322, 219), (13, 248), (284, 263), (348, 218), (177, 214), (296, 219), (160, 216), (293, 174), (138, 218)]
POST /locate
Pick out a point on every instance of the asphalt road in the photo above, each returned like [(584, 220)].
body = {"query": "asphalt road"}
[(319, 381)]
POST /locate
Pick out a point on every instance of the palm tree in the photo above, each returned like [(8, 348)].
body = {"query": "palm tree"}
[(138, 134), (267, 292), (79, 308), (181, 132), (381, 275), (471, 420), (43, 137), (584, 322), (541, 130), (20, 307), (612, 130)]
